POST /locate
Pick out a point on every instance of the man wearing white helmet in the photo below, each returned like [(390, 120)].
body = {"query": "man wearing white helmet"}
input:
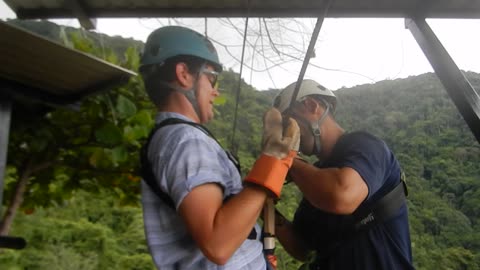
[(353, 214), (198, 214)]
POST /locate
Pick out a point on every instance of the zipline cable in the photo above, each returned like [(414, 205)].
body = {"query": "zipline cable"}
[(269, 207), (206, 27), (310, 50), (239, 86)]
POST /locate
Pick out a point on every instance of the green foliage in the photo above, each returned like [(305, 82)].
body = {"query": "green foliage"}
[(95, 145), (85, 232)]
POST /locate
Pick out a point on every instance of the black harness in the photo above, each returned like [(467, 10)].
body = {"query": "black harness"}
[(383, 209), (146, 166)]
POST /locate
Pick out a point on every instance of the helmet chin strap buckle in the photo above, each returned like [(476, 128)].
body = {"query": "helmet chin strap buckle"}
[(316, 136), (316, 129)]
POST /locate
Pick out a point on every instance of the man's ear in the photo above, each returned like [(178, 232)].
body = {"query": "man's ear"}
[(183, 75), (311, 105)]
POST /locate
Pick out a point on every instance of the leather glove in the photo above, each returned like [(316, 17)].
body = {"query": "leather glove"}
[(279, 146)]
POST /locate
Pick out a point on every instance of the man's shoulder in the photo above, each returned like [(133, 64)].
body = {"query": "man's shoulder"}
[(179, 131), (360, 141), (361, 136)]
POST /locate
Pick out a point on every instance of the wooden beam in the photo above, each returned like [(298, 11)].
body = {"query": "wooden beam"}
[(79, 10)]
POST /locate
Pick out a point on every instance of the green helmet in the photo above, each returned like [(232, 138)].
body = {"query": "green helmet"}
[(167, 42)]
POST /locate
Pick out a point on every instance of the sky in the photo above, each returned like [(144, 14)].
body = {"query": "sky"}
[(348, 52)]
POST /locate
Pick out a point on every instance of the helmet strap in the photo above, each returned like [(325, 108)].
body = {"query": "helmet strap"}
[(188, 93), (315, 129)]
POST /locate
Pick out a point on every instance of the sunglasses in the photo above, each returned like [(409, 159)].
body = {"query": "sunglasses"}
[(212, 77)]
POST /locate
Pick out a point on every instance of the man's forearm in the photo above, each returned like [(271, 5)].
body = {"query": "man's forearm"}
[(335, 190)]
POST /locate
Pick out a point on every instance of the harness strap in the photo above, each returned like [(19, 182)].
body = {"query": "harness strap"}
[(146, 166), (383, 209)]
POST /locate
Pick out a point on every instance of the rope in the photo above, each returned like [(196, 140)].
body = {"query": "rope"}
[(311, 47), (237, 101), (206, 27)]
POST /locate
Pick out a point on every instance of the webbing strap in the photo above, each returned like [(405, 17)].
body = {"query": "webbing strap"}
[(383, 209), (147, 171)]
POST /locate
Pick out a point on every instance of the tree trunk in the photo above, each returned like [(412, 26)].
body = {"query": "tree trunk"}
[(15, 202)]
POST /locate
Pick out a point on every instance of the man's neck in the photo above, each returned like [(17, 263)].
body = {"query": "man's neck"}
[(332, 133), (178, 103)]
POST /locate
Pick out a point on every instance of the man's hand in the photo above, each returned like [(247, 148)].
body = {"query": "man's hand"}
[(279, 146), (278, 141)]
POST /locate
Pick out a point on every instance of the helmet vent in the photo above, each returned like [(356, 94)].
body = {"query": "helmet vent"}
[(321, 87)]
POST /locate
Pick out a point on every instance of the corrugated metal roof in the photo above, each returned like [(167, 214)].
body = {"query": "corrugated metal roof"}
[(34, 66), (30, 9)]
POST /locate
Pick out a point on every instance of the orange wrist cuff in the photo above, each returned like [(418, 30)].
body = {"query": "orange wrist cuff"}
[(270, 172)]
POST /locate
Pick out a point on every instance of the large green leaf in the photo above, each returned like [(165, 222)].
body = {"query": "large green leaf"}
[(109, 134), (119, 154), (135, 133), (143, 118), (97, 157), (125, 107)]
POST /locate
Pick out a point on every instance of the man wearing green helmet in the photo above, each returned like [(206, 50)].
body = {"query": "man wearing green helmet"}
[(198, 213), (353, 214)]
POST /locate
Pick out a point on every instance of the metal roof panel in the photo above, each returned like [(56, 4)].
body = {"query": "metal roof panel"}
[(48, 69)]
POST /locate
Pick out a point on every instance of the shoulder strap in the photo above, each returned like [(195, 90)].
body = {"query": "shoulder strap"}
[(172, 121), (146, 166)]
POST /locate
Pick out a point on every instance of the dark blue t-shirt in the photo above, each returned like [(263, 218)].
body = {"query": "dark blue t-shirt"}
[(384, 246)]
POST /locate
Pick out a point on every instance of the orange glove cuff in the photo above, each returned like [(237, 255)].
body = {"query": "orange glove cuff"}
[(270, 172)]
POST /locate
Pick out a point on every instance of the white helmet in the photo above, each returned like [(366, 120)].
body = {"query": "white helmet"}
[(308, 88)]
